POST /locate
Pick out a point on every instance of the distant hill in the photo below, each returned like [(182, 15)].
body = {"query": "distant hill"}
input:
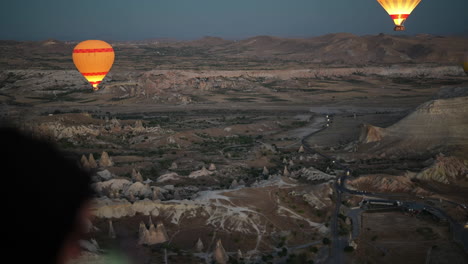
[(212, 52), (434, 125)]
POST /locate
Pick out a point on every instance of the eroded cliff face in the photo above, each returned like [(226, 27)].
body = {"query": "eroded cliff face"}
[(448, 170), (386, 183), (437, 124), (370, 133)]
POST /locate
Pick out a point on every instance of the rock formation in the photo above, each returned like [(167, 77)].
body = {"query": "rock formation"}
[(200, 173), (199, 245), (173, 166), (143, 233), (448, 170), (434, 124), (171, 140), (92, 161), (312, 174), (370, 134), (265, 171), (153, 235), (105, 160), (85, 162), (239, 255), (301, 149), (285, 171), (173, 176), (212, 167), (161, 234), (386, 183), (91, 245), (219, 253), (136, 176), (234, 184), (111, 230)]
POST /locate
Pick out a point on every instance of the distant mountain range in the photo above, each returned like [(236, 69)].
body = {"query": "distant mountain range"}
[(333, 49)]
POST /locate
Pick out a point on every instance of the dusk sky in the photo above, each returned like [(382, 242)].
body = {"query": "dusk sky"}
[(233, 19)]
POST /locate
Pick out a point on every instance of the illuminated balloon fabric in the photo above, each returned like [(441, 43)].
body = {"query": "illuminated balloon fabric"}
[(399, 10), (93, 59)]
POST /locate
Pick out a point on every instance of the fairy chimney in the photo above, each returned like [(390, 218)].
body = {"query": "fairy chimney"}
[(301, 149), (285, 171), (84, 162), (143, 233), (173, 166), (161, 234), (234, 184), (212, 167), (136, 176), (199, 245), (111, 230), (265, 171), (220, 255), (92, 161), (105, 160)]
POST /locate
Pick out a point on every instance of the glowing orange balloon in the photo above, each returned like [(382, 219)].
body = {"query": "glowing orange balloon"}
[(93, 59), (399, 10)]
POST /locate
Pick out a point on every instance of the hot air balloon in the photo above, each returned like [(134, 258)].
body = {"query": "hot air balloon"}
[(93, 59), (399, 10)]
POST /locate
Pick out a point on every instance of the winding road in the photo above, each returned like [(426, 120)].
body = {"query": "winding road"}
[(460, 234)]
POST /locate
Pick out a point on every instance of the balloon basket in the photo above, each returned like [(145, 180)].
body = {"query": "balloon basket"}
[(399, 28)]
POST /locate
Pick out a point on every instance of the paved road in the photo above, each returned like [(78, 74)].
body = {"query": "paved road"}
[(460, 234)]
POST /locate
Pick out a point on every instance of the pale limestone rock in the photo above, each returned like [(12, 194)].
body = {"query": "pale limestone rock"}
[(161, 234), (199, 245), (219, 253), (212, 167), (171, 140), (105, 175), (173, 166), (301, 149), (234, 184), (139, 127), (285, 171), (111, 230), (131, 197), (145, 207), (200, 173), (291, 163), (265, 171), (139, 189), (91, 245), (85, 162), (105, 160), (173, 176), (136, 176), (239, 255), (92, 161), (143, 234)]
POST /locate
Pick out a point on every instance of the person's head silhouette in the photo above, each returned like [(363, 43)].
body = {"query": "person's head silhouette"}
[(46, 196)]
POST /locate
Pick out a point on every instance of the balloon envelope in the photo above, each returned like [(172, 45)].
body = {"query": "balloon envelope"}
[(399, 10), (93, 59)]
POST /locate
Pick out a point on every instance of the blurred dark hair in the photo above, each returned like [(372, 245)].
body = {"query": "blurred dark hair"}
[(43, 192)]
